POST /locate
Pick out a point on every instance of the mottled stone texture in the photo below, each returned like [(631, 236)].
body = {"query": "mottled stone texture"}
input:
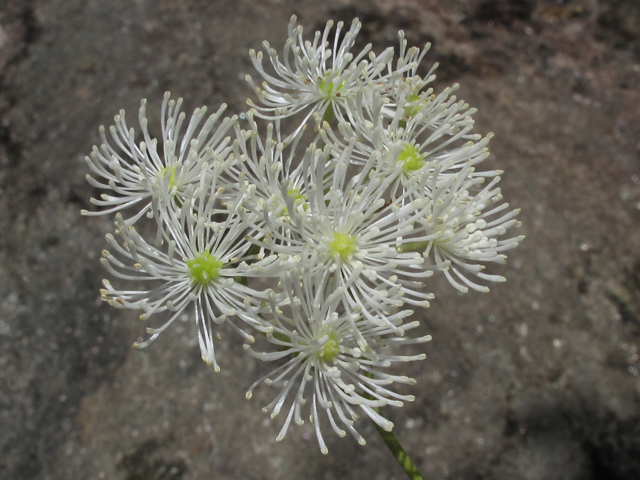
[(536, 380)]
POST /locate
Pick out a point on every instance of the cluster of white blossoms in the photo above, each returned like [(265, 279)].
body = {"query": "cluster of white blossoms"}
[(317, 241)]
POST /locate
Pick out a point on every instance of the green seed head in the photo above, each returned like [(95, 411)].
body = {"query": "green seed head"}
[(342, 244), (204, 269), (295, 193), (329, 89), (171, 171), (413, 106), (331, 348), (411, 158), (328, 86)]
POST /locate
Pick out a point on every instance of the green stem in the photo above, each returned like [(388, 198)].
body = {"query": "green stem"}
[(241, 280), (414, 246), (398, 453), (394, 446), (328, 114)]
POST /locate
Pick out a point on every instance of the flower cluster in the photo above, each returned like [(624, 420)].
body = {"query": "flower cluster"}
[(317, 241)]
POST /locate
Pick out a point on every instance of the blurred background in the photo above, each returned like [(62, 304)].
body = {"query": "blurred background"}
[(538, 379)]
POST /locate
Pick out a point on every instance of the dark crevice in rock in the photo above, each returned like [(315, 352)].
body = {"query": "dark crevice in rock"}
[(624, 310), (144, 464), (505, 12), (620, 20), (30, 467), (31, 33), (608, 443), (626, 296), (12, 148), (600, 462)]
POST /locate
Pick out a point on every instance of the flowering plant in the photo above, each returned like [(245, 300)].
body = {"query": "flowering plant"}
[(319, 239)]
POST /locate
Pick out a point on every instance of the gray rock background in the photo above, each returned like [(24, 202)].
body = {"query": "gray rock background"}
[(536, 380)]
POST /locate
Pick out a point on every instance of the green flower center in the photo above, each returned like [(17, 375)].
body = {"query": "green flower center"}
[(330, 349), (205, 268), (327, 85), (412, 107), (342, 244), (171, 171), (411, 158), (295, 193)]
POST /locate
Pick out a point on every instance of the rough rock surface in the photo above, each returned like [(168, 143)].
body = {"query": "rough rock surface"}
[(537, 380)]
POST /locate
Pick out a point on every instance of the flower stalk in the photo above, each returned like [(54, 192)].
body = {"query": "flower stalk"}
[(399, 453)]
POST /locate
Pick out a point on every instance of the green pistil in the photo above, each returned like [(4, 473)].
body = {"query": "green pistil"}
[(327, 86), (204, 269), (331, 348), (172, 175), (342, 244), (410, 156), (295, 193), (412, 107)]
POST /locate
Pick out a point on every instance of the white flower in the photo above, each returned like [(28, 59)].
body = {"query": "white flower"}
[(427, 147), (266, 164), (407, 67), (314, 76), (393, 82), (325, 363), (469, 232), (422, 143), (349, 231), (136, 175), (206, 251)]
